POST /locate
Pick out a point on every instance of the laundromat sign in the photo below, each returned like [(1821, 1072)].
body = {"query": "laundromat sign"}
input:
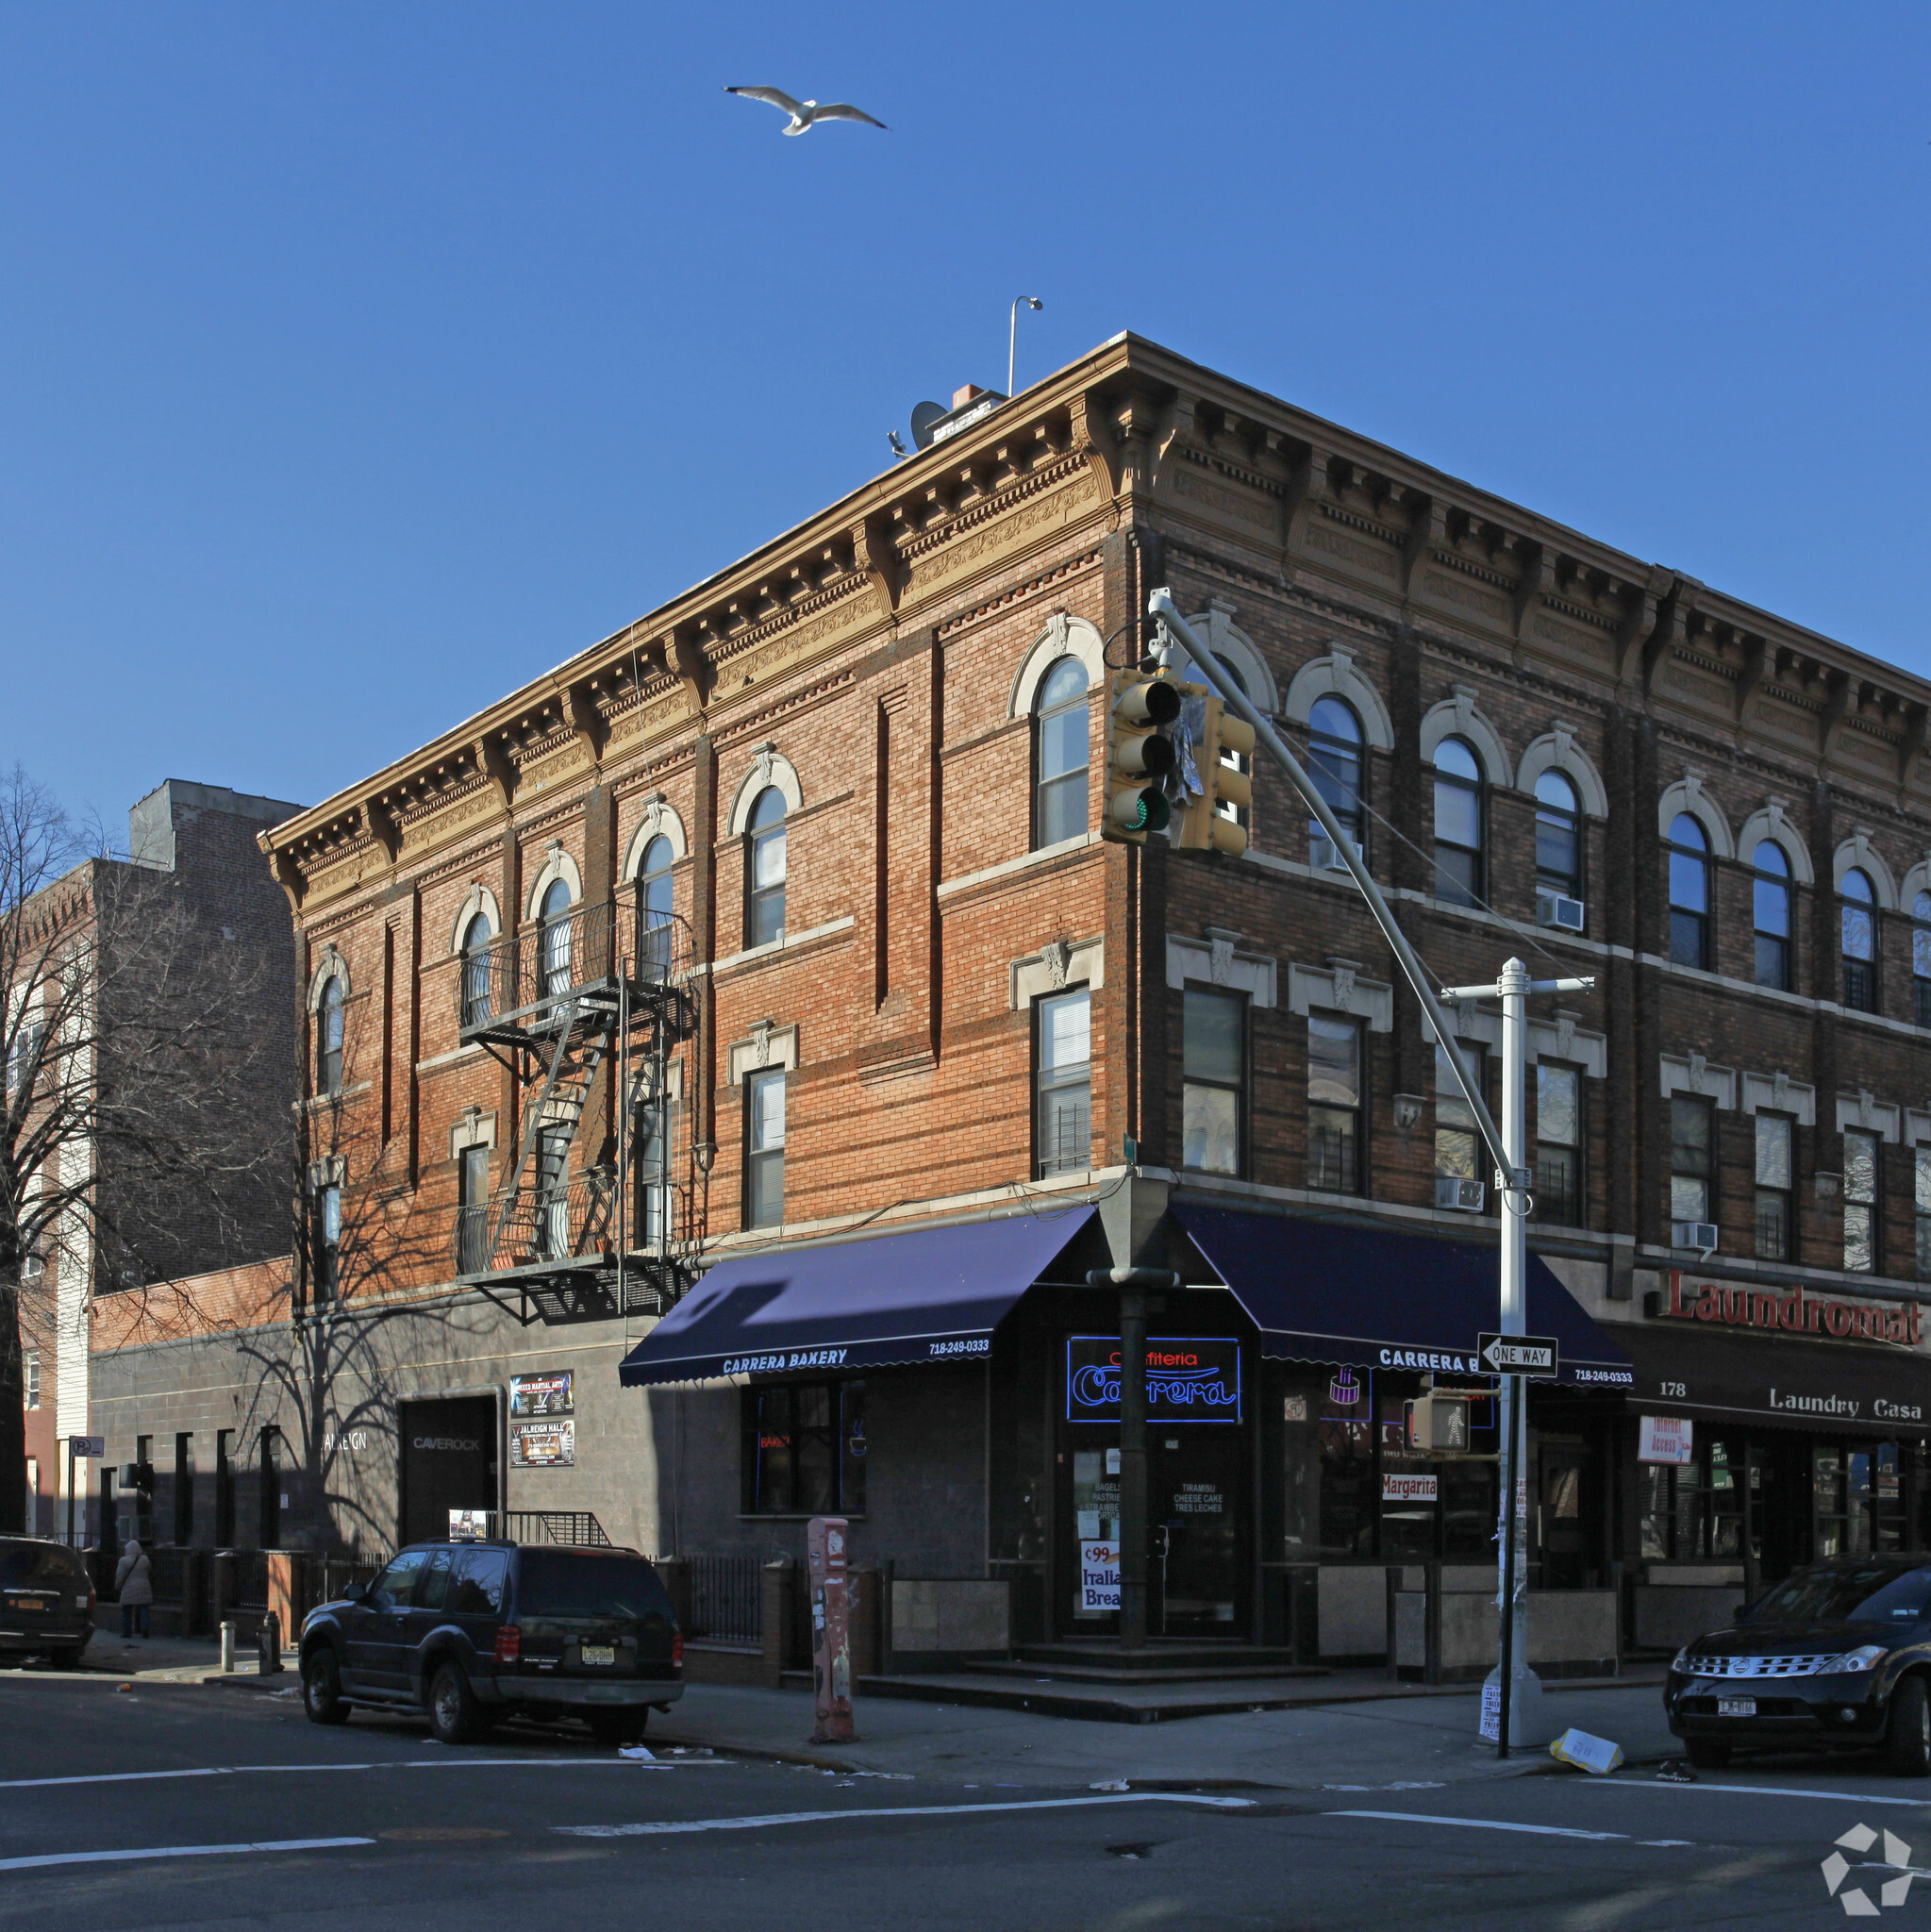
[(1190, 1378), (1728, 1304)]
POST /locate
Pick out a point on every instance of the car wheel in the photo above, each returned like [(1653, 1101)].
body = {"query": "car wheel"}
[(619, 1726), (1907, 1733), (322, 1695), (453, 1714), (1706, 1754)]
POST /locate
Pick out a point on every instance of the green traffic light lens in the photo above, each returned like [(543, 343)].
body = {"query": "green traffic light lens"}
[(1156, 813)]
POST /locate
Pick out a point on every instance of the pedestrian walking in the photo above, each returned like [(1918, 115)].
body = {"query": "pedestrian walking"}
[(134, 1586)]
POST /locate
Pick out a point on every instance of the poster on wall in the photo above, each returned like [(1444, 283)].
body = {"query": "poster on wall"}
[(547, 1395), (542, 1445), (1099, 1576), (1664, 1438)]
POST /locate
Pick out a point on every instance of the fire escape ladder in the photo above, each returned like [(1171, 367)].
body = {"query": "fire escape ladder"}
[(528, 1197)]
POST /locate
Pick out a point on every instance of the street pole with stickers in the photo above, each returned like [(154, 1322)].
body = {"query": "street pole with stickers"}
[(1516, 1705)]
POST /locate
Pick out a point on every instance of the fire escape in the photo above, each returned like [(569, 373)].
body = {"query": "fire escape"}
[(599, 986)]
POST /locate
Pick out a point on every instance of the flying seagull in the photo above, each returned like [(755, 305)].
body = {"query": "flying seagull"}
[(803, 113)]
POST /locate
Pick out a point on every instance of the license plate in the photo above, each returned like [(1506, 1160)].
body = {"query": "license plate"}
[(31, 1603), (606, 1654), (1736, 1707)]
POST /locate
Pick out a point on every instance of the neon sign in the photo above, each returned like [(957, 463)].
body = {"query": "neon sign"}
[(1188, 1379)]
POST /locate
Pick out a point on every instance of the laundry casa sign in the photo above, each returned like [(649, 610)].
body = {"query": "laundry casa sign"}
[(1791, 1311)]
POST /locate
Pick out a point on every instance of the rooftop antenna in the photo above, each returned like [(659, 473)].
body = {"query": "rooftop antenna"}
[(1012, 334)]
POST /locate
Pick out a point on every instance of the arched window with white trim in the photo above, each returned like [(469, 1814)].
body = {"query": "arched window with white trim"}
[(1770, 913), (1858, 928), (553, 938), (477, 1003), (1921, 956), (765, 868), (1060, 720), (1459, 815), (1688, 851), (1558, 835), (328, 1038), (653, 905), (1334, 762)]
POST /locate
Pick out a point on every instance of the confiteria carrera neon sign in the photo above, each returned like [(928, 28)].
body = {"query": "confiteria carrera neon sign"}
[(1188, 1378), (1793, 1312)]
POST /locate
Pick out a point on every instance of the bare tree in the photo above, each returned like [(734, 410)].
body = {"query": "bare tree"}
[(132, 1142)]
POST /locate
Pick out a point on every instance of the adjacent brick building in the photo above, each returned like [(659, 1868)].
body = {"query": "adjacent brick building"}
[(793, 892)]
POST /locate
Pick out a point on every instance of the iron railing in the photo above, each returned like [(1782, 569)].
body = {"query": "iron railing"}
[(727, 1598), (551, 960), (577, 1528), (577, 1221)]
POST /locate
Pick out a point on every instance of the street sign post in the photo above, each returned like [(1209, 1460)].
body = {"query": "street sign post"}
[(1520, 1355)]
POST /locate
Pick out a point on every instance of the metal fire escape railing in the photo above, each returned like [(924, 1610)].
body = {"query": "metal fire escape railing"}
[(601, 987)]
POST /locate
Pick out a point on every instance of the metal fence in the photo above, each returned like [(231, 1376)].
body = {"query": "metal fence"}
[(727, 1598), (577, 1527)]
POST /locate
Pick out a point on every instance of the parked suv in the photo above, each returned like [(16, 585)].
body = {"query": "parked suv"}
[(473, 1632), (46, 1600), (1838, 1654)]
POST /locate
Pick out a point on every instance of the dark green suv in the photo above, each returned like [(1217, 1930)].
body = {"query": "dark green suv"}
[(473, 1632), (46, 1600)]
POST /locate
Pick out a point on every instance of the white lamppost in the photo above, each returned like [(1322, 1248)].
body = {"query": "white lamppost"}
[(1019, 302)]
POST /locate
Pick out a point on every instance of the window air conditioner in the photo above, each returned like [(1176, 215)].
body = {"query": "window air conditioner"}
[(1465, 1197), (1701, 1235), (1560, 910)]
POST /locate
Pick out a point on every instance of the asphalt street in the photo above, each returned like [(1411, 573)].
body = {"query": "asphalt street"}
[(172, 1804)]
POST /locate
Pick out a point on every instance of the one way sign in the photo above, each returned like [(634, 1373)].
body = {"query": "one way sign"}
[(1518, 1355)]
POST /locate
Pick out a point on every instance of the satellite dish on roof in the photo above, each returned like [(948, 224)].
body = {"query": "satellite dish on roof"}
[(923, 416)]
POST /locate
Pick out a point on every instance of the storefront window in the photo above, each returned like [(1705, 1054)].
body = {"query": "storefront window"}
[(1774, 1223), (1558, 1144), (805, 1449), (1726, 1473), (1860, 1201)]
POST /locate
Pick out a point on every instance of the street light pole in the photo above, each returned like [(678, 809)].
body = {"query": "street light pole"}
[(1508, 1148), (1012, 336)]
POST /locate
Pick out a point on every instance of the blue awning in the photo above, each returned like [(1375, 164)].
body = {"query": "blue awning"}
[(932, 1295), (1322, 1292)]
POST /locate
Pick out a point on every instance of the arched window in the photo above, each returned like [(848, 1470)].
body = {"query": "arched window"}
[(1921, 956), (1457, 824), (764, 869), (553, 938), (476, 1004), (1559, 836), (1334, 762), (1689, 893), (1859, 942), (1770, 898), (1059, 754), (653, 905), (329, 1030)]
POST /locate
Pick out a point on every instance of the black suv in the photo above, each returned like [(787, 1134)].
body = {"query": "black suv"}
[(1838, 1655), (46, 1600), (477, 1631)]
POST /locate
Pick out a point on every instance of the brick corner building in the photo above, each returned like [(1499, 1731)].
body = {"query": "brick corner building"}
[(754, 1003)]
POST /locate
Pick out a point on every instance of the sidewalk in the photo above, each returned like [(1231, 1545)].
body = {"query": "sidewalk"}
[(1354, 1729), (1372, 1743)]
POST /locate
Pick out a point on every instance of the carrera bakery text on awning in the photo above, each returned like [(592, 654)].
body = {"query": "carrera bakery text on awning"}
[(931, 1295), (1321, 1291)]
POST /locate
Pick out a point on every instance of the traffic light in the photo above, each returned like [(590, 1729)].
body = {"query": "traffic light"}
[(1140, 759), (1205, 826)]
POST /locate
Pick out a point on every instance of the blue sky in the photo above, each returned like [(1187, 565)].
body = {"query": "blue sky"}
[(358, 361)]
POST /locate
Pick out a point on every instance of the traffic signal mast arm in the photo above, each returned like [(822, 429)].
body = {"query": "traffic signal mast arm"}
[(1206, 665)]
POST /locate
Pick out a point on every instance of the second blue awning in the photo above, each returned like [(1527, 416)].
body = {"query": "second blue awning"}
[(1324, 1292), (931, 1295)]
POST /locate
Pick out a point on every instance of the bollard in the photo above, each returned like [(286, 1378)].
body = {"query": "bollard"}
[(228, 1650), (269, 1645)]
